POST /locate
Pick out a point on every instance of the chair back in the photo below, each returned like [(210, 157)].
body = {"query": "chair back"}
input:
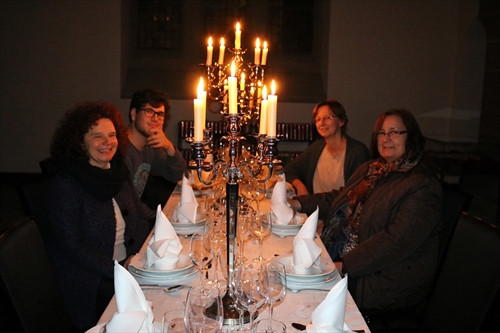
[(32, 196), (469, 278), (28, 280), (455, 202)]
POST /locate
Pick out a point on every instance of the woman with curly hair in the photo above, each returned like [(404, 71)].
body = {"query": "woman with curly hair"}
[(95, 214)]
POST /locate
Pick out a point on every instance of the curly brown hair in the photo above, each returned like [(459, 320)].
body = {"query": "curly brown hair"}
[(68, 138)]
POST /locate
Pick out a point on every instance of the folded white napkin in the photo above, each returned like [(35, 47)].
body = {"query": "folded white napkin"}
[(186, 210), (305, 250), (134, 312), (164, 247), (329, 315), (279, 204)]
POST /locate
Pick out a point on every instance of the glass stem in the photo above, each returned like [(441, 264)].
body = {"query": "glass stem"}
[(270, 316), (260, 249)]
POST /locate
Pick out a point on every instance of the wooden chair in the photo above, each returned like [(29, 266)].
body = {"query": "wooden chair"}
[(469, 278), (28, 281)]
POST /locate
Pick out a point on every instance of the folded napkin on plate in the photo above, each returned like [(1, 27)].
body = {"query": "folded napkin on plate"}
[(164, 247), (329, 315), (186, 210), (134, 312), (305, 250), (279, 204)]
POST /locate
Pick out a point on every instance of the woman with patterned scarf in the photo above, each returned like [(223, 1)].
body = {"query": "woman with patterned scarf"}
[(383, 225)]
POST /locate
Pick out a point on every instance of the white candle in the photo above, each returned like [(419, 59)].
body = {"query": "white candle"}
[(263, 112), (257, 52), (198, 129), (233, 91), (237, 40), (202, 96), (209, 51), (273, 108), (264, 54), (221, 51)]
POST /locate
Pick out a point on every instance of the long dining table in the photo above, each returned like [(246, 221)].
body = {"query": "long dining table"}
[(296, 307)]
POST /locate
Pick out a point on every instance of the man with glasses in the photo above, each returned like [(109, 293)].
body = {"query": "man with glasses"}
[(150, 152)]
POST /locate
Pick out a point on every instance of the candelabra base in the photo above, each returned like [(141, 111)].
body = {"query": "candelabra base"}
[(231, 314)]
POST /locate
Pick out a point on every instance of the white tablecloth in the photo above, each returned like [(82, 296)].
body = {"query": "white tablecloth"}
[(295, 307)]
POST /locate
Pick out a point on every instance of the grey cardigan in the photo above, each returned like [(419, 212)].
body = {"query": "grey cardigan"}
[(304, 166)]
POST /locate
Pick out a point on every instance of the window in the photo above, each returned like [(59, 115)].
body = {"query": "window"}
[(164, 40)]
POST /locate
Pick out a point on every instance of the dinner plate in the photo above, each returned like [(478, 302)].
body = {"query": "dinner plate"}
[(326, 285), (139, 262), (201, 220), (170, 279), (295, 223), (320, 272)]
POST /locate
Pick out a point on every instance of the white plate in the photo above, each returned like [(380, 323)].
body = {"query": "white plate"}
[(139, 262), (285, 233), (296, 223), (320, 272), (322, 285), (201, 220), (170, 279)]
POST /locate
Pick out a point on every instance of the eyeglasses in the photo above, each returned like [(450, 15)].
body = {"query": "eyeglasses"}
[(382, 134), (151, 113), (319, 119)]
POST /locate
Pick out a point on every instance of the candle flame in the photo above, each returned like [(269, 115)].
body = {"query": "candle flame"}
[(257, 43), (201, 87), (264, 92), (273, 88), (265, 45), (242, 76), (233, 69), (222, 42), (210, 41), (238, 26)]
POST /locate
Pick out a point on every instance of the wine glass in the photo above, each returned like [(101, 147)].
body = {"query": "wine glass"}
[(204, 312), (243, 230), (247, 189), (200, 255), (262, 227), (258, 193), (247, 290), (215, 240), (274, 284)]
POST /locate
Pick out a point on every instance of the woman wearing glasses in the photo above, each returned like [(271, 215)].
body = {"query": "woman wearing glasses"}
[(329, 162), (383, 225)]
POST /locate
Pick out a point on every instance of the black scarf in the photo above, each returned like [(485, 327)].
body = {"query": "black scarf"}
[(102, 184)]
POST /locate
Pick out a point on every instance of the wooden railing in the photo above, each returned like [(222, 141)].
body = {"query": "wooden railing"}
[(294, 137)]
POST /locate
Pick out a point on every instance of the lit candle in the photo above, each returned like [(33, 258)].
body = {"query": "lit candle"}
[(221, 51), (209, 51), (263, 112), (264, 54), (242, 81), (202, 95), (237, 41), (198, 129), (272, 114), (233, 91), (257, 52)]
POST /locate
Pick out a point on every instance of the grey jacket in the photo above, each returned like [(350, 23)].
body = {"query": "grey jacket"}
[(396, 257), (304, 166)]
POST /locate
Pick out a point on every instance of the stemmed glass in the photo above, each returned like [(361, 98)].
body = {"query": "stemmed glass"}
[(274, 285), (258, 193), (243, 230), (200, 255), (204, 311), (262, 227), (248, 289), (247, 189), (215, 240)]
